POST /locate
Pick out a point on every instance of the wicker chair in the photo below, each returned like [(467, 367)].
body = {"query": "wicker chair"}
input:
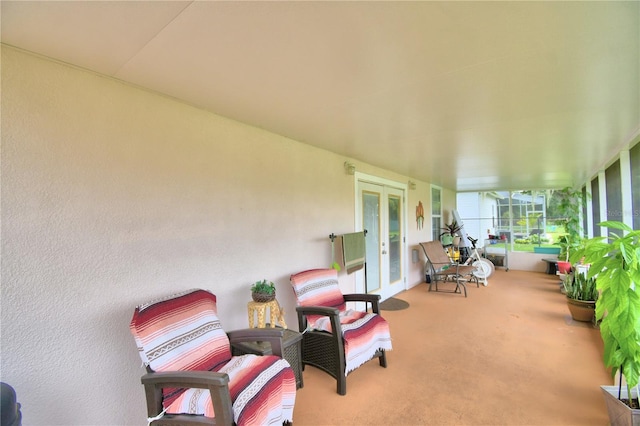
[(192, 375), (441, 267), (10, 414), (337, 340)]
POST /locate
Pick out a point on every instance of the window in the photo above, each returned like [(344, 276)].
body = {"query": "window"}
[(436, 212), (585, 222), (526, 220), (595, 205), (614, 196), (634, 156)]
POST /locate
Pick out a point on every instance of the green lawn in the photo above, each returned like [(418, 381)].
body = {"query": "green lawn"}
[(552, 232), (522, 247)]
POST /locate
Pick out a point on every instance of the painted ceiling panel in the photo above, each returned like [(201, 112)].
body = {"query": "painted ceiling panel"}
[(507, 95)]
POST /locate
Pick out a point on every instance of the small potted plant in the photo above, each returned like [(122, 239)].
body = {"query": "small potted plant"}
[(615, 263), (564, 266), (581, 295), (450, 232), (263, 291)]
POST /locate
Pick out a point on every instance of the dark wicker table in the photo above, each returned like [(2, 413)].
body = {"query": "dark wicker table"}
[(292, 349), (552, 266)]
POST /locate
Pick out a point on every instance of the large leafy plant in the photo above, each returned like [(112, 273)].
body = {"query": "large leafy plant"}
[(615, 263), (568, 203)]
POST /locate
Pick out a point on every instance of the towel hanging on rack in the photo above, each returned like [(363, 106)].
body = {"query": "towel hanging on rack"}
[(353, 251)]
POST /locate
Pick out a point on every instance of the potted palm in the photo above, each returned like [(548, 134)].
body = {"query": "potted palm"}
[(450, 232), (581, 295), (615, 263)]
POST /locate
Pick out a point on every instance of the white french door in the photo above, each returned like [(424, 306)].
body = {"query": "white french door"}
[(380, 210)]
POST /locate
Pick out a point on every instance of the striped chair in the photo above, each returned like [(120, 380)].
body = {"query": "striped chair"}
[(336, 339), (192, 377)]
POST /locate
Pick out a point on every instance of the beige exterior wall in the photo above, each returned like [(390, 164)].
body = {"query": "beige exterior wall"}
[(112, 196)]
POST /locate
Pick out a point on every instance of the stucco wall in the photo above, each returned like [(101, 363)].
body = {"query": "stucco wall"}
[(112, 196)]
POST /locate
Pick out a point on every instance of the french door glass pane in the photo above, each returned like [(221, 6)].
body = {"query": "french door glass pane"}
[(395, 245), (371, 222)]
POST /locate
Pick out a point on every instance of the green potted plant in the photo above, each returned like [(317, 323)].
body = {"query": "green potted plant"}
[(450, 231), (582, 295), (564, 266), (568, 203), (263, 291), (615, 263)]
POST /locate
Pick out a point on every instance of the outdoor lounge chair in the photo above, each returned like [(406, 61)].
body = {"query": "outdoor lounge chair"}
[(192, 375), (441, 268), (337, 340)]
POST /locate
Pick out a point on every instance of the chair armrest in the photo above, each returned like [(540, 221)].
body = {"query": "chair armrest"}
[(374, 299), (332, 313), (361, 297), (273, 336), (317, 310), (186, 379), (217, 383)]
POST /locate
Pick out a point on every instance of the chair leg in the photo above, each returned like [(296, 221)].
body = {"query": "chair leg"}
[(342, 385), (461, 284), (341, 378), (383, 359)]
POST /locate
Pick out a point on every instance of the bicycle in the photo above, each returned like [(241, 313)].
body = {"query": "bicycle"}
[(484, 268)]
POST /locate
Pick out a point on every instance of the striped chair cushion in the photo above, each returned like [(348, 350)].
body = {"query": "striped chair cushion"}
[(323, 323), (263, 391), (318, 287), (363, 337)]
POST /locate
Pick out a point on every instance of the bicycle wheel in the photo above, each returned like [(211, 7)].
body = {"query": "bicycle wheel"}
[(493, 267), (483, 269)]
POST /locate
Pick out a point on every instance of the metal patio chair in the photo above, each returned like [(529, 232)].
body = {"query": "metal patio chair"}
[(440, 267)]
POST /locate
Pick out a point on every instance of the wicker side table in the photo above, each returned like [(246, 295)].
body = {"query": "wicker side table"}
[(260, 308), (292, 349)]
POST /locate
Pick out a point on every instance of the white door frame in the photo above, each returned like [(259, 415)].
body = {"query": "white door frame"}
[(362, 177)]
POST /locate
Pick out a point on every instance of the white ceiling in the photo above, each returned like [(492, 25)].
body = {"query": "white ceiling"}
[(467, 95)]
